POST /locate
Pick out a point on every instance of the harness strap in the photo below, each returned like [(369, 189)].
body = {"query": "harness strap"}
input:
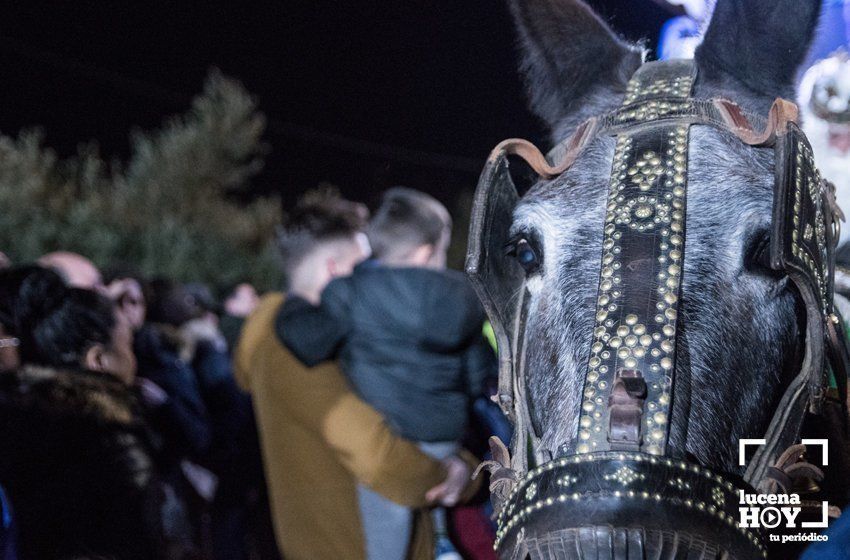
[(735, 120), (538, 162), (503, 478), (750, 128)]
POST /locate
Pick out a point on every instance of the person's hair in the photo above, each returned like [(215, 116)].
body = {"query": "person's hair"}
[(406, 219), (56, 325), (224, 291), (11, 282), (319, 217), (123, 272), (170, 303)]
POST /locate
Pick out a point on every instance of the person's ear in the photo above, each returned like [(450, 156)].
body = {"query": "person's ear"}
[(332, 267), (438, 257), (421, 255), (96, 358)]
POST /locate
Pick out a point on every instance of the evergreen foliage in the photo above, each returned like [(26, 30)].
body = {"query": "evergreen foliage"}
[(166, 211)]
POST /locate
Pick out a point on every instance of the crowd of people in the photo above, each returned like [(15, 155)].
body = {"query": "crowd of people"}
[(336, 418)]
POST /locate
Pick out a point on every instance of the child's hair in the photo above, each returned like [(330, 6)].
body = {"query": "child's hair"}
[(320, 216), (407, 219)]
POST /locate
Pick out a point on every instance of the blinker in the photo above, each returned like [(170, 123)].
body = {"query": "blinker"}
[(498, 280)]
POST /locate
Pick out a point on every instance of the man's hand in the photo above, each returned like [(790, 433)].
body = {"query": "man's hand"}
[(129, 300), (242, 301), (448, 492)]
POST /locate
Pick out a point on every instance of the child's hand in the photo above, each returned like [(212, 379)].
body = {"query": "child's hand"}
[(448, 492)]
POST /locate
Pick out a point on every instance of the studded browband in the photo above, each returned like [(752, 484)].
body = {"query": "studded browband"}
[(627, 395)]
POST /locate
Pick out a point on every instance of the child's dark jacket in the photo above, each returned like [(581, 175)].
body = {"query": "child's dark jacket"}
[(408, 339)]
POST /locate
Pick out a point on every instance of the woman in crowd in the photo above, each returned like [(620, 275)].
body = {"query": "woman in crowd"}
[(75, 458)]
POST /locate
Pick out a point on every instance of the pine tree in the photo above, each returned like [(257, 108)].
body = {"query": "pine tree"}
[(166, 211)]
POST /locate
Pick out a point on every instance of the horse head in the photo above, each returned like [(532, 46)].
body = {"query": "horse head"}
[(652, 245)]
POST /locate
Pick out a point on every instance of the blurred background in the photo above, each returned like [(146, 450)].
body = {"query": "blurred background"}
[(360, 94)]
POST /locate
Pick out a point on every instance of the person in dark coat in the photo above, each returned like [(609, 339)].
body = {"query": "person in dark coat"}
[(177, 412), (174, 404), (240, 517), (77, 464), (8, 532), (77, 460), (234, 457)]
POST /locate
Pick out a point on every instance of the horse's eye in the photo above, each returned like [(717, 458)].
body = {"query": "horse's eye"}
[(525, 254)]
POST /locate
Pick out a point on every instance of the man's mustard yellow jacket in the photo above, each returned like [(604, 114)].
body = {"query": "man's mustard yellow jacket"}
[(318, 441)]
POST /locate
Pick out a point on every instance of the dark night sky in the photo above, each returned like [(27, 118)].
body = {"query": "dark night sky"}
[(339, 80)]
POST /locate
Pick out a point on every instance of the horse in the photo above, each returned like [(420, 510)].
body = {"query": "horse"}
[(651, 319)]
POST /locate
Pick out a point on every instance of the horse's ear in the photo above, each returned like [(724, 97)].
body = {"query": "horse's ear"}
[(568, 53), (759, 43)]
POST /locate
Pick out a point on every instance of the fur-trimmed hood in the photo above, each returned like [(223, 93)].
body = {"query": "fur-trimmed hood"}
[(77, 461), (99, 396)]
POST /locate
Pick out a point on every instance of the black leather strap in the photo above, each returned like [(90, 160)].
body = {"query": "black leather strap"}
[(634, 338)]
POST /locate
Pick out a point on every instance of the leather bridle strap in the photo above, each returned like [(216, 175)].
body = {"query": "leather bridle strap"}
[(538, 162), (752, 130), (627, 395), (802, 246), (781, 113)]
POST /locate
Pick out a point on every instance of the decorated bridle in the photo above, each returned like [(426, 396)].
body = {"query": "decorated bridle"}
[(622, 461)]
